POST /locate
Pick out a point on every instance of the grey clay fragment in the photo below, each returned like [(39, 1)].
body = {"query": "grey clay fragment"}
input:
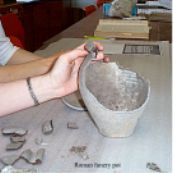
[(80, 151), (91, 48), (33, 158), (47, 127), (40, 155), (39, 141), (72, 125), (10, 159), (117, 165), (83, 155), (13, 130), (153, 166), (28, 156), (121, 8), (10, 169), (14, 145), (16, 138)]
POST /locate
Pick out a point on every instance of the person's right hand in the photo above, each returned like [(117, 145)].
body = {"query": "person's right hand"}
[(64, 75)]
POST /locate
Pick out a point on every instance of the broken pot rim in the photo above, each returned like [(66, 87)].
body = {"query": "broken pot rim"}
[(122, 112), (130, 111)]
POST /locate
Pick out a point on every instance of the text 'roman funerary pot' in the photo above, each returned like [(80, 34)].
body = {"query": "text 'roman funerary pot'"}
[(115, 97)]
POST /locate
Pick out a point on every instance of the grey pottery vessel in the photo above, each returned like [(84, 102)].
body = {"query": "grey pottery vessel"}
[(110, 123)]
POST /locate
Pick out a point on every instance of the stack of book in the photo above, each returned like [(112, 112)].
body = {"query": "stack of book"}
[(121, 28)]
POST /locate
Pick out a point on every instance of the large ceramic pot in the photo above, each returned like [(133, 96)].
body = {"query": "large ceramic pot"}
[(115, 97)]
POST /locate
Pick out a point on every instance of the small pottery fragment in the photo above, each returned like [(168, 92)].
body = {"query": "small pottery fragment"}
[(16, 138), (80, 151), (39, 141), (47, 127), (153, 166), (72, 125), (14, 145), (10, 159), (10, 169), (13, 130), (33, 158)]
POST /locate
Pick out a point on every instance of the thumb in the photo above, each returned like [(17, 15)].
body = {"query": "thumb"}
[(74, 55)]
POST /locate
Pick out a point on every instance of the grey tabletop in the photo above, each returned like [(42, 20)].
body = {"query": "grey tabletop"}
[(150, 142)]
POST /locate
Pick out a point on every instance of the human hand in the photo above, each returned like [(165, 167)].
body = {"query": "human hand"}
[(64, 75)]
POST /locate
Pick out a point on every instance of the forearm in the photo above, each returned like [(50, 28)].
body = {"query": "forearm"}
[(21, 71), (23, 56), (15, 96)]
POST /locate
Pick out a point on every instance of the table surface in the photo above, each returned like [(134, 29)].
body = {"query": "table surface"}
[(150, 142)]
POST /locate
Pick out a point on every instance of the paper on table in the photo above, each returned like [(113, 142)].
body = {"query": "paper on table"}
[(160, 3), (166, 3), (153, 11)]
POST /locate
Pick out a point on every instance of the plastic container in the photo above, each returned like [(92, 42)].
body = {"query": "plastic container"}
[(106, 8)]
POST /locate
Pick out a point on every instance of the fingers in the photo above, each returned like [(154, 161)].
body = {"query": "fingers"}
[(106, 59), (100, 55), (81, 47), (80, 52), (73, 55), (97, 44), (77, 66)]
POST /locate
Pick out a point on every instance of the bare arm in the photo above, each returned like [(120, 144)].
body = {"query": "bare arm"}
[(60, 81), (15, 95), (23, 56), (24, 64)]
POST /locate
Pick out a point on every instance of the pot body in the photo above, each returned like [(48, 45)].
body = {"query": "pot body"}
[(112, 123)]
